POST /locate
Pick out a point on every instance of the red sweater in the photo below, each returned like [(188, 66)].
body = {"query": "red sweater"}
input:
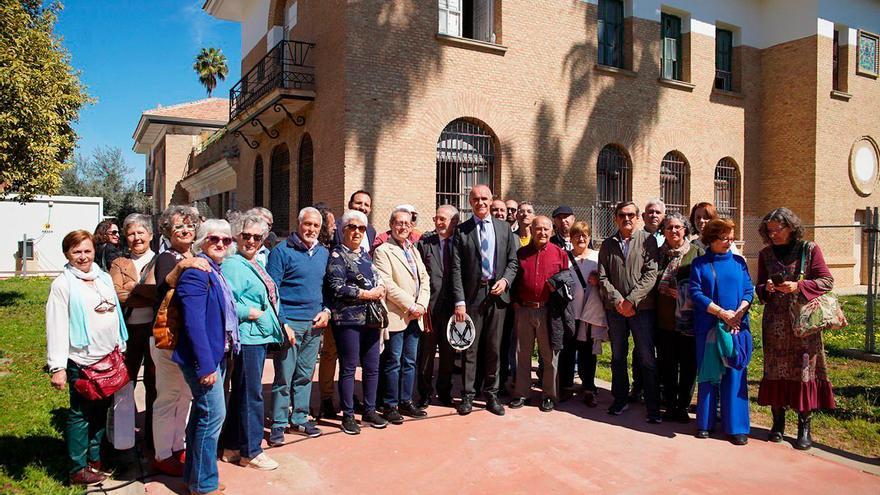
[(535, 267)]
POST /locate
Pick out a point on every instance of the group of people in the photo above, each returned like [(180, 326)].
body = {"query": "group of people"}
[(336, 291)]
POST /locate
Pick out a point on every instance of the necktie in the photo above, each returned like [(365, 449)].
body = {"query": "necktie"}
[(484, 253), (447, 255)]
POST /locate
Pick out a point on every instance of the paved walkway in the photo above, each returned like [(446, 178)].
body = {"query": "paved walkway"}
[(574, 449)]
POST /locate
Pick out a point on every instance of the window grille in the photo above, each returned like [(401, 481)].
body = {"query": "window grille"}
[(465, 158), (613, 185), (258, 181), (611, 33), (675, 182), (727, 188), (279, 190), (305, 174)]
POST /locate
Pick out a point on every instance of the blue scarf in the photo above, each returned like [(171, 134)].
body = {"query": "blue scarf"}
[(230, 317), (79, 334)]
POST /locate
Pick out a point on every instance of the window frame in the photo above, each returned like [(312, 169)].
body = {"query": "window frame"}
[(670, 29), (610, 29), (723, 59)]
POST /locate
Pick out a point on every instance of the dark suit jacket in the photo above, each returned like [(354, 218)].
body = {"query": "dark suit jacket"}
[(203, 337), (466, 272), (337, 236), (441, 283)]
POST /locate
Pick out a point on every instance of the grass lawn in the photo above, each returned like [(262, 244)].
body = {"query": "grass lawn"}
[(854, 426), (32, 413)]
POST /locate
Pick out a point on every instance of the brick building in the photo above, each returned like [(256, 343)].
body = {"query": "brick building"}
[(749, 104)]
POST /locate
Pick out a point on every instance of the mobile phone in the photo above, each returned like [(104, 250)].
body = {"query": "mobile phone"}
[(777, 279)]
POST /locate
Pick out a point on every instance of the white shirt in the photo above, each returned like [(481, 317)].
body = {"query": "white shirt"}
[(103, 328), (593, 311)]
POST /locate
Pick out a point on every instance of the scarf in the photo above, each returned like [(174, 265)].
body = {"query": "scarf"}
[(669, 279), (719, 347), (76, 278), (230, 317)]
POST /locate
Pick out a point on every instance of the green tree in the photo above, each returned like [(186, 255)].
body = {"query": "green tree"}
[(211, 65), (104, 174), (40, 97)]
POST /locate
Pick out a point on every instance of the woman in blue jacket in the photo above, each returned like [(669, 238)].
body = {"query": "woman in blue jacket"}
[(722, 293), (209, 331), (256, 300)]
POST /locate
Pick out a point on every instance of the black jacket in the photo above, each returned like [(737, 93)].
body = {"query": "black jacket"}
[(559, 309), (466, 260)]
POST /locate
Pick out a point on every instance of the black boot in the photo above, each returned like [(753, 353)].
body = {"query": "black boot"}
[(804, 439), (778, 428)]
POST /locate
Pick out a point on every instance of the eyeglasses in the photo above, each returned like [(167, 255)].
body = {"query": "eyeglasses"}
[(674, 227), (104, 306), (183, 226), (626, 215), (511, 210), (216, 239), (256, 237), (359, 228), (399, 224), (777, 230), (727, 240)]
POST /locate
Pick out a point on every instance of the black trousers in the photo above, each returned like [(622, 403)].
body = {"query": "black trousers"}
[(578, 354), (429, 344), (489, 327), (137, 351), (677, 362)]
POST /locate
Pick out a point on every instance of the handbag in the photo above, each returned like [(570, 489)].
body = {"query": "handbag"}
[(822, 313), (167, 326), (376, 314), (102, 379)]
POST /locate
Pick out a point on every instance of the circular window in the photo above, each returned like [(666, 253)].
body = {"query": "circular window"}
[(863, 164)]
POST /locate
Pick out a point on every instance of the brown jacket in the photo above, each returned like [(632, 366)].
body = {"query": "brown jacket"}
[(632, 278), (127, 282)]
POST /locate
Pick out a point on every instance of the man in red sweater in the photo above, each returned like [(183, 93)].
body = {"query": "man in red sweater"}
[(539, 261)]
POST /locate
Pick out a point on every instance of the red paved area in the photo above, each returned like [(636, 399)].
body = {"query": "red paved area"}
[(574, 449)]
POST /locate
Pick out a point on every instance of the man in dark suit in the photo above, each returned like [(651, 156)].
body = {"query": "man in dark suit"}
[(484, 265), (361, 201), (436, 250)]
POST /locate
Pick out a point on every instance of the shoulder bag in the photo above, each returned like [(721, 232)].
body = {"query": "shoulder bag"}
[(166, 328), (376, 314), (102, 379), (821, 313)]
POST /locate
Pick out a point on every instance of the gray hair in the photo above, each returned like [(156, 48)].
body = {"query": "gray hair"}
[(259, 210), (674, 215), (138, 220), (784, 217), (209, 226), (309, 210), (246, 221), (188, 213), (399, 210), (350, 215), (656, 202)]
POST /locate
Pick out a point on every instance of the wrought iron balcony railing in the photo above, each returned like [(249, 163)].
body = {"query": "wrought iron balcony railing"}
[(285, 66)]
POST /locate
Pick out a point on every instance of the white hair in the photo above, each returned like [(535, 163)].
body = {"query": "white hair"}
[(350, 215), (246, 221), (656, 202), (397, 210), (259, 210), (451, 208), (139, 220), (212, 226), (309, 210)]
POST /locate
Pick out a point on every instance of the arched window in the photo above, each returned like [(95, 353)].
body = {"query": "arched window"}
[(613, 184), (465, 158), (279, 189), (258, 181), (675, 182), (305, 173), (727, 188)]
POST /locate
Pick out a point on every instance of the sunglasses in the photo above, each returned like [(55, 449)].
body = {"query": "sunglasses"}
[(104, 306), (626, 215), (112, 232), (216, 239), (359, 228), (256, 237)]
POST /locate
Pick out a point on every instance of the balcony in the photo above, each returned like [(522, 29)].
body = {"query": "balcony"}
[(286, 68)]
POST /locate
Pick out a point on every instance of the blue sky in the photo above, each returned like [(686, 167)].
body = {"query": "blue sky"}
[(134, 55)]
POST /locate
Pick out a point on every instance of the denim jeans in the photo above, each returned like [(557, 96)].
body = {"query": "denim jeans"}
[(641, 326), (353, 344), (243, 430), (399, 365), (294, 368), (203, 431)]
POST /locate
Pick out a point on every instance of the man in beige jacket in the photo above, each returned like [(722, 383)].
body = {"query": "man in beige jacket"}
[(408, 290)]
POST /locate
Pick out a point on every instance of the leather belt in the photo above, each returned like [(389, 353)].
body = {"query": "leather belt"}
[(533, 305), (486, 282)]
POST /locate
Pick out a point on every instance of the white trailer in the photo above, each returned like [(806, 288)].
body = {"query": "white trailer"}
[(44, 222)]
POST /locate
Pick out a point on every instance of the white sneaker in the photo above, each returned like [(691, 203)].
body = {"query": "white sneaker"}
[(262, 462), (230, 456)]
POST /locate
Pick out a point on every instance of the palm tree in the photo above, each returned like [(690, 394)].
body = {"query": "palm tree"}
[(210, 65)]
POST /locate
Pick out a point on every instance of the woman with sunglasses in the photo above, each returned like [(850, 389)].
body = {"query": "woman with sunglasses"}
[(209, 331), (171, 408), (256, 300), (722, 293), (84, 324), (352, 283), (107, 246)]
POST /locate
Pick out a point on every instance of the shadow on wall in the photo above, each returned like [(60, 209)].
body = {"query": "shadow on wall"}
[(401, 45), (619, 109)]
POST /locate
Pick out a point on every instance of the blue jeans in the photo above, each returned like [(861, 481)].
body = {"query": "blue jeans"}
[(203, 430), (642, 328), (353, 344), (243, 430), (399, 365), (294, 368)]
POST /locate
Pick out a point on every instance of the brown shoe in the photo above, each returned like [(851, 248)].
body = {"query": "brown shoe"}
[(590, 399), (87, 476)]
